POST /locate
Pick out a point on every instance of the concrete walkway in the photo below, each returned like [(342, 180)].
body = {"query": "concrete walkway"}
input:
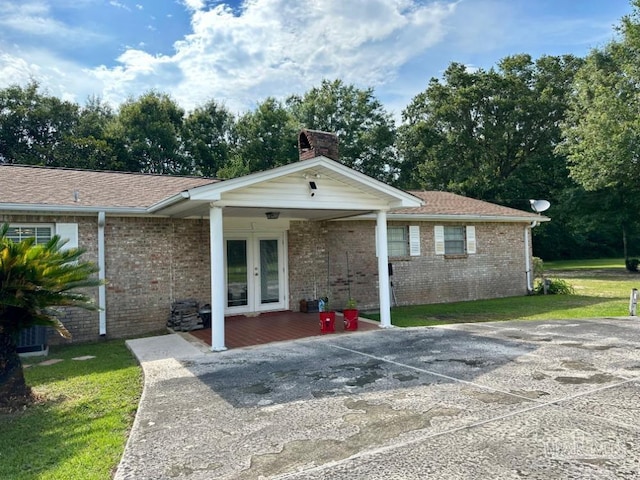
[(506, 400)]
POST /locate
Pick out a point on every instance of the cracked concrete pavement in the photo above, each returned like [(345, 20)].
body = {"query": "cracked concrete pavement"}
[(507, 400)]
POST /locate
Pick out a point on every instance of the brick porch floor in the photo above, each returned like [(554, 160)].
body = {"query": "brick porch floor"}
[(241, 331)]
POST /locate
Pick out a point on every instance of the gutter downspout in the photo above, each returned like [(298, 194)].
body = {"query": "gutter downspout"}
[(527, 257), (102, 289)]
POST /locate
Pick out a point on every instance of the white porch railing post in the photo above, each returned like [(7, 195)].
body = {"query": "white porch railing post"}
[(218, 296), (383, 270)]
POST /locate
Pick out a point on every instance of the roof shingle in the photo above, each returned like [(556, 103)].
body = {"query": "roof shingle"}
[(446, 203), (21, 184)]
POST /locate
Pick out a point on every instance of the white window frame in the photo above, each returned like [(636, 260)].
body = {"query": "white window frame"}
[(454, 240), (35, 227), (469, 240), (398, 247)]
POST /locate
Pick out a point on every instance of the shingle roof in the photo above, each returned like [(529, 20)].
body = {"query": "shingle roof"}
[(40, 186), (445, 203), (21, 184)]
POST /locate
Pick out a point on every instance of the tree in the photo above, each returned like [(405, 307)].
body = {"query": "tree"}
[(33, 126), (366, 131), (150, 129), (262, 139), (33, 279), (207, 138), (602, 130), (490, 134)]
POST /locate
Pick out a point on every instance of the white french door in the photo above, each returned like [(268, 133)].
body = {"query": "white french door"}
[(255, 273)]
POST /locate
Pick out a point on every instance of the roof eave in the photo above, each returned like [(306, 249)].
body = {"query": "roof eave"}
[(455, 218), (46, 208), (168, 202)]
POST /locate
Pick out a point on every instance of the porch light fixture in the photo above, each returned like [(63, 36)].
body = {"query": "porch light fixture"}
[(272, 215)]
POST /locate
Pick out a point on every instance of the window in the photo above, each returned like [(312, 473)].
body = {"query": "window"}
[(455, 240), (397, 241), (42, 233)]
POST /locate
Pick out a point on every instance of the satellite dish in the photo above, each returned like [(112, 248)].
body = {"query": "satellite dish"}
[(539, 206)]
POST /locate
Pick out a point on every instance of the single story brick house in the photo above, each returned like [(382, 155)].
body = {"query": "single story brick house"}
[(267, 240)]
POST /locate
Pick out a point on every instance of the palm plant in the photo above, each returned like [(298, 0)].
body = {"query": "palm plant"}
[(34, 278)]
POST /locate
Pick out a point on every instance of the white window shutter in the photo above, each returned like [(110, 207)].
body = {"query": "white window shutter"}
[(438, 232), (471, 239), (414, 240), (69, 232)]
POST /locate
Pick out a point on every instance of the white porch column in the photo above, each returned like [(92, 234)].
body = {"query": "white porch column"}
[(216, 244), (383, 270)]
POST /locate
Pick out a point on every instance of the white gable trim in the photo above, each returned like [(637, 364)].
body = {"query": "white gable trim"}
[(397, 198)]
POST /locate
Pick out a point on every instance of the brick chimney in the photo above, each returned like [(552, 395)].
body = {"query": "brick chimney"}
[(314, 143)]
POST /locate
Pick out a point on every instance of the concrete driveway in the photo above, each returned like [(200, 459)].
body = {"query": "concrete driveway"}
[(507, 400)]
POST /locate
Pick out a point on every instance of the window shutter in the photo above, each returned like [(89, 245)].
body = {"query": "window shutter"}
[(438, 232), (68, 231), (414, 240), (471, 239)]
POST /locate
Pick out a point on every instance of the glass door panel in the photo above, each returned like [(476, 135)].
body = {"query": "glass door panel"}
[(269, 272), (237, 280)]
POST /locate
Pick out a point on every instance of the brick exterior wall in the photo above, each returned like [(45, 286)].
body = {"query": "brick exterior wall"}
[(496, 270), (150, 262)]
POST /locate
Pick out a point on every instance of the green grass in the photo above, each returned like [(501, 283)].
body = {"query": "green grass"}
[(79, 429), (595, 263), (597, 294)]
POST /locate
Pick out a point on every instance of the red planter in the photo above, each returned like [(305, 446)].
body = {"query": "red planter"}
[(350, 318), (327, 322)]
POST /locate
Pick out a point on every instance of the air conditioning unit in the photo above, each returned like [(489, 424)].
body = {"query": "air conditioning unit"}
[(33, 341)]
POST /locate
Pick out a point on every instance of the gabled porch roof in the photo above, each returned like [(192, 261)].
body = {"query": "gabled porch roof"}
[(310, 189)]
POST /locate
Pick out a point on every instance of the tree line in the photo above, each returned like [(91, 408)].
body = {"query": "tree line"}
[(560, 128)]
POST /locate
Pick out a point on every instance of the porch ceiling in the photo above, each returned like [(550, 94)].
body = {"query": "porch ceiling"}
[(291, 213)]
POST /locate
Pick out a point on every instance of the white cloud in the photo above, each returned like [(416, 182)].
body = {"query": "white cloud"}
[(279, 47), (116, 4), (194, 4), (56, 75), (35, 19)]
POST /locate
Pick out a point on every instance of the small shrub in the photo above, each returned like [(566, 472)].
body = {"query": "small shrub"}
[(632, 264), (538, 267), (555, 286)]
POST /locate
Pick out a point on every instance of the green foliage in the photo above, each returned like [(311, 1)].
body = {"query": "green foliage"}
[(490, 134), (207, 138), (34, 126), (262, 139), (631, 264), (35, 278), (554, 286), (601, 134), (538, 267), (150, 130), (352, 304)]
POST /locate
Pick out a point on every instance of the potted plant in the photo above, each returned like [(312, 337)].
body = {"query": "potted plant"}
[(350, 314), (327, 316)]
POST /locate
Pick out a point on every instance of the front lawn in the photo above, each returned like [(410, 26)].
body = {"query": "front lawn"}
[(79, 428), (602, 289)]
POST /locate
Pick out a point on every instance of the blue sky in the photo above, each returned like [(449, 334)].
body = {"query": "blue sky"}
[(240, 52)]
